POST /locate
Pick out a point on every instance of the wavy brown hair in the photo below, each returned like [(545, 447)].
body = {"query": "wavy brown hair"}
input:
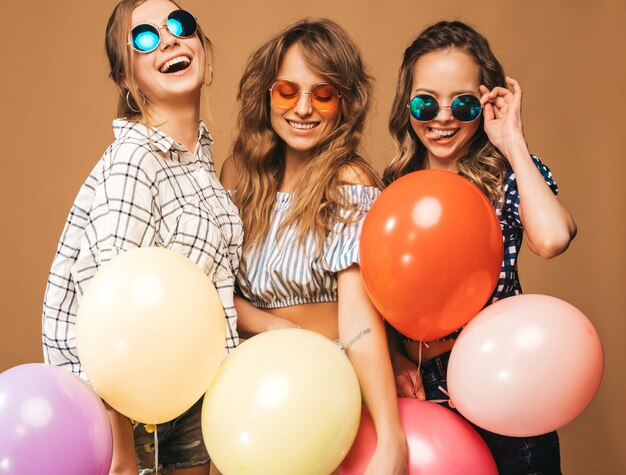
[(258, 152), (483, 164), (132, 103)]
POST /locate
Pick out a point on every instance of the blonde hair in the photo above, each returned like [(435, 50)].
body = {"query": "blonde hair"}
[(258, 151), (132, 103), (483, 164)]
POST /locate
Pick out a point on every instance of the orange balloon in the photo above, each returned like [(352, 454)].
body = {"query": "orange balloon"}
[(431, 253)]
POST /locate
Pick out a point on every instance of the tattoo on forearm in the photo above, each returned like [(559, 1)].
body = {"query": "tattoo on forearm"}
[(356, 339)]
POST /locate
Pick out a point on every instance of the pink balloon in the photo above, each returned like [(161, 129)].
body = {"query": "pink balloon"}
[(440, 443), (52, 422), (525, 366)]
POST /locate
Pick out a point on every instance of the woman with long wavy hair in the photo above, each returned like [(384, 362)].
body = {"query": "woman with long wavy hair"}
[(302, 190), (452, 111)]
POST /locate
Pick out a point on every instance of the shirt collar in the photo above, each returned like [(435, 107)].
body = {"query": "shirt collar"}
[(203, 132), (125, 128)]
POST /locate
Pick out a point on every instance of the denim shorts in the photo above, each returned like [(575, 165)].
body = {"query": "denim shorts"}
[(539, 455), (180, 443)]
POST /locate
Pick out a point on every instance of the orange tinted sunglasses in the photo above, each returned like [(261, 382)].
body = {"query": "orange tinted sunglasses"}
[(285, 94)]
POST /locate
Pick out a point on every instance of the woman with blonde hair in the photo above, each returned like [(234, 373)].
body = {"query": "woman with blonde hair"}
[(302, 190), (154, 186), (452, 111)]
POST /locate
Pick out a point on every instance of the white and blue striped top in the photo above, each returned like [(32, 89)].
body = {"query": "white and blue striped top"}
[(280, 272)]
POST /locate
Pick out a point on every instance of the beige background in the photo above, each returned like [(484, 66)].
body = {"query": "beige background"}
[(569, 57)]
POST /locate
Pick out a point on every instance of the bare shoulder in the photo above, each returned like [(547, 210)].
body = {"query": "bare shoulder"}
[(354, 174), (228, 174)]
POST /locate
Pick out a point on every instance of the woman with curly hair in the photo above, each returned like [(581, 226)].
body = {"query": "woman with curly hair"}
[(452, 111), (303, 190)]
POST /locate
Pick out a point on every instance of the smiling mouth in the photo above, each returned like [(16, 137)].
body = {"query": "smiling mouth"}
[(302, 125), (175, 65), (444, 134)]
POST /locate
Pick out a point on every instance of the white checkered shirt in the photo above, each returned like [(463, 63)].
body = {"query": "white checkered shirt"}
[(146, 190)]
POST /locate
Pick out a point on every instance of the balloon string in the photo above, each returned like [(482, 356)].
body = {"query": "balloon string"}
[(156, 450), (449, 401), (418, 377)]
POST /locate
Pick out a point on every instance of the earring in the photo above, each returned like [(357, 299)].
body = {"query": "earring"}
[(128, 102), (211, 81)]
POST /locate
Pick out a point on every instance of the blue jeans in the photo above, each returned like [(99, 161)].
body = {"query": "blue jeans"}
[(180, 443), (539, 455)]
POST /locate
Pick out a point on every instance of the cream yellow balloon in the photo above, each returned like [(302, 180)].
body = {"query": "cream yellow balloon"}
[(150, 333), (285, 402)]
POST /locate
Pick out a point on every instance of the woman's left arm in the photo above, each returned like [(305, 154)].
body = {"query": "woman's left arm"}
[(362, 334), (549, 226)]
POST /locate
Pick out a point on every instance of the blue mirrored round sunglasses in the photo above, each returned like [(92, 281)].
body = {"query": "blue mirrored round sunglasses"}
[(145, 37), (465, 108)]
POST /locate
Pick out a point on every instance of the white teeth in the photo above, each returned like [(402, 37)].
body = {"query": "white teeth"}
[(172, 62), (299, 125), (444, 133)]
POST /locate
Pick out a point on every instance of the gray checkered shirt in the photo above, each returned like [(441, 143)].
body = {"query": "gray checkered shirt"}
[(146, 190)]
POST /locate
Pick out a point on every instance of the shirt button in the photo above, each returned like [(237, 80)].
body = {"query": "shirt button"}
[(150, 428)]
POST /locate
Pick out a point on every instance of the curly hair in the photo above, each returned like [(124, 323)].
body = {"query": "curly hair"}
[(483, 164), (258, 152)]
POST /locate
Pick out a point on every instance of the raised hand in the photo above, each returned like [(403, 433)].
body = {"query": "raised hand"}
[(502, 110)]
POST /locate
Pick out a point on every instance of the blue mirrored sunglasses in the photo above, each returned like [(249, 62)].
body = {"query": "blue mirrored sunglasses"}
[(145, 37), (465, 108)]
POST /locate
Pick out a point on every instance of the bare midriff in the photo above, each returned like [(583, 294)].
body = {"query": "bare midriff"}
[(434, 349), (318, 317)]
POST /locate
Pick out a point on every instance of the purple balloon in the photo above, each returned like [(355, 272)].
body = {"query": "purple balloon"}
[(52, 422)]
